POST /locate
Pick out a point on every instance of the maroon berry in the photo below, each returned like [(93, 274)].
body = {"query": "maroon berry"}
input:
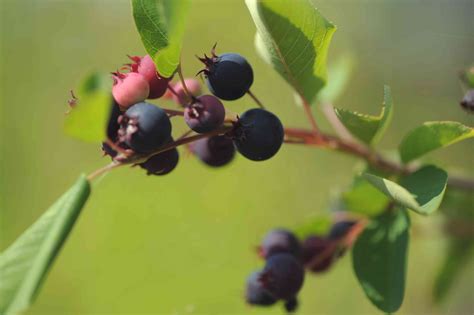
[(318, 253), (214, 151), (206, 114), (468, 101), (129, 89), (146, 67)]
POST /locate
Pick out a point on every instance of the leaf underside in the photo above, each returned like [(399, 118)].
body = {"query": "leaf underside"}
[(24, 265)]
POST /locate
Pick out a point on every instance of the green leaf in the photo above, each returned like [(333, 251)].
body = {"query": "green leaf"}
[(364, 198), (367, 128), (431, 136), (161, 25), (338, 77), (25, 263), (421, 191), (317, 225), (459, 253), (294, 39), (87, 120), (379, 259)]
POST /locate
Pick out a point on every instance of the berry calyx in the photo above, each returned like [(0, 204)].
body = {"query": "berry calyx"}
[(205, 114), (282, 276), (228, 76), (129, 88), (255, 293), (144, 127), (147, 68), (161, 163), (258, 134), (279, 241), (214, 151)]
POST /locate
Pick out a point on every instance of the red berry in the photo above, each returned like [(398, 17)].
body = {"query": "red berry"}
[(129, 89), (146, 67)]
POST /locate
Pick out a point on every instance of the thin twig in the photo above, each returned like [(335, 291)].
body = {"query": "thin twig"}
[(256, 100), (173, 112), (189, 96), (103, 170)]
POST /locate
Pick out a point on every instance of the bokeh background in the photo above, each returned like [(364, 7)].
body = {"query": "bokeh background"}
[(184, 243)]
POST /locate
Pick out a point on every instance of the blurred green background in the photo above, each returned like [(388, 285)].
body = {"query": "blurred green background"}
[(184, 243)]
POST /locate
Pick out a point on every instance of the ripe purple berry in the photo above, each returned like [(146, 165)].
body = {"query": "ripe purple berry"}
[(228, 76), (468, 101), (282, 276), (255, 293), (112, 128), (147, 68), (144, 127), (205, 114), (161, 163), (258, 134), (214, 151), (129, 88), (318, 253), (279, 241)]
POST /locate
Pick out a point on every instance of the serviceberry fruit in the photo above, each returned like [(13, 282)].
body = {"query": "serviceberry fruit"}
[(112, 128), (340, 229), (279, 241), (193, 86), (228, 76), (468, 101), (161, 163), (258, 134), (144, 127), (205, 114), (291, 305), (255, 293), (318, 253), (214, 151), (282, 276), (147, 68), (129, 88)]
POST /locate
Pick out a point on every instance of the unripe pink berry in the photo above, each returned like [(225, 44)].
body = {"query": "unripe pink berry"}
[(146, 67), (194, 87), (129, 89)]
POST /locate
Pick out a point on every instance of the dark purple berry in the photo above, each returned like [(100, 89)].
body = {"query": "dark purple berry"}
[(340, 229), (291, 305), (282, 276), (279, 241), (318, 253), (205, 114), (228, 76), (214, 151), (144, 127), (258, 134), (112, 128), (255, 293), (161, 163), (468, 101)]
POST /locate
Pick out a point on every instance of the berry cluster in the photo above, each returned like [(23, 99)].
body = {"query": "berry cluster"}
[(286, 258), (141, 131)]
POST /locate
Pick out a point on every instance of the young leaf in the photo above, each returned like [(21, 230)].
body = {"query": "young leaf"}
[(458, 255), (294, 39), (367, 128), (23, 265), (379, 259), (431, 136), (87, 120), (421, 191), (338, 77), (161, 25)]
